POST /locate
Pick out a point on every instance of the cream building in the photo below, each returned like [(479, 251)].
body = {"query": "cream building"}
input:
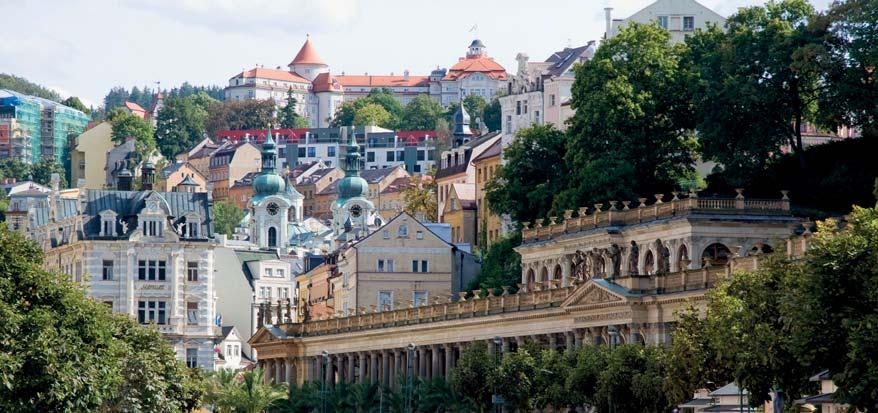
[(587, 307), (680, 17), (89, 157)]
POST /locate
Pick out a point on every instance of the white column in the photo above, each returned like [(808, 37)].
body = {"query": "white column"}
[(129, 283), (565, 271)]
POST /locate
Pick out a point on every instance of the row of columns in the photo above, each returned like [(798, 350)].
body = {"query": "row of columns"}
[(387, 367)]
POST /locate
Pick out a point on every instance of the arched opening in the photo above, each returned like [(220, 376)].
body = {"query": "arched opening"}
[(530, 277), (683, 253), (544, 275), (557, 274), (649, 263), (761, 248), (272, 237), (717, 253)]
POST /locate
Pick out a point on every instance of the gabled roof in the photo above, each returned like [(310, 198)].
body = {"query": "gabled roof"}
[(465, 194), (564, 59), (398, 185), (730, 389), (399, 216), (307, 55), (493, 150), (326, 82), (134, 107), (272, 74)]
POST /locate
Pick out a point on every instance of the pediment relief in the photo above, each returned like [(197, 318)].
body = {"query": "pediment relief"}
[(591, 294)]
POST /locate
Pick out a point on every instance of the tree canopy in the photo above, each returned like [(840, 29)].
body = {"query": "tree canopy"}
[(372, 114), (75, 103), (421, 113), (127, 125), (226, 216), (181, 123), (24, 86), (287, 115)]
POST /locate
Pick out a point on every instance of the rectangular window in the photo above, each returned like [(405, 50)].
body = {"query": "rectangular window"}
[(551, 100), (391, 156), (424, 266), (385, 300), (380, 265), (330, 151), (414, 265), (161, 270), (280, 272), (150, 270), (301, 151), (269, 272), (417, 168), (400, 155), (109, 304), (151, 311), (421, 155), (192, 358), (419, 298), (688, 23), (312, 151), (663, 21), (192, 314), (192, 271), (419, 234), (518, 107), (370, 156), (107, 270), (386, 234)]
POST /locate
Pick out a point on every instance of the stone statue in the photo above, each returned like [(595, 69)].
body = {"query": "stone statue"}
[(663, 257), (280, 312), (579, 265), (124, 226), (615, 253), (597, 262), (260, 314), (289, 312), (633, 258)]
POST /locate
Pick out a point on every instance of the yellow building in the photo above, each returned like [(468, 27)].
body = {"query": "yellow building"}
[(89, 156), (488, 224), (171, 176), (230, 164), (460, 213)]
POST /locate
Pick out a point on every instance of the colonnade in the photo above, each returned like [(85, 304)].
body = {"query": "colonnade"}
[(390, 366)]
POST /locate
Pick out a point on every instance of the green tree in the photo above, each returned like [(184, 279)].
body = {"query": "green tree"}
[(115, 98), (344, 115), (42, 171), (372, 114), (226, 216), (24, 86), (420, 196), (15, 168), (287, 115), (384, 97), (473, 376), (421, 113), (756, 85), (632, 131), (61, 351), (550, 380), (514, 380), (492, 115), (251, 394), (75, 103), (632, 380), (532, 175), (694, 361), (475, 105), (127, 125), (585, 372), (181, 123), (501, 265)]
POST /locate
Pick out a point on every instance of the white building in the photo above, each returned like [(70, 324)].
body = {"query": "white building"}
[(143, 253), (319, 92), (679, 17)]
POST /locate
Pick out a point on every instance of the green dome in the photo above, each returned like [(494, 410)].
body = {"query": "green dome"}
[(352, 187), (268, 183)]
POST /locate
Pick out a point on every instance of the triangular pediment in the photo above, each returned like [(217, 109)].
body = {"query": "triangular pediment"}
[(593, 293)]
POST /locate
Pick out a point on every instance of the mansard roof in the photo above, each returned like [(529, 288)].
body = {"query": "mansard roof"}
[(128, 204)]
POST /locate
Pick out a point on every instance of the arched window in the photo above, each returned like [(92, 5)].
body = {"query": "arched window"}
[(717, 253), (683, 253), (544, 275), (649, 263), (530, 276), (272, 237), (557, 274)]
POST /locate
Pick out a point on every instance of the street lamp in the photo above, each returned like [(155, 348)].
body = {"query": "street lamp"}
[(497, 399), (410, 367), (323, 380), (613, 331)]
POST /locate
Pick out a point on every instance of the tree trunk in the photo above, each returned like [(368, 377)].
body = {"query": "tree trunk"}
[(800, 152)]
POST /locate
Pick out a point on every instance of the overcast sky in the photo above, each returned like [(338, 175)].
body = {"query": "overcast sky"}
[(85, 47)]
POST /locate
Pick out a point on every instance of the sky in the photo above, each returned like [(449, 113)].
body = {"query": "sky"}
[(85, 47)]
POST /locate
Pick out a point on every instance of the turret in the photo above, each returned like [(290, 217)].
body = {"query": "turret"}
[(147, 176), (124, 179)]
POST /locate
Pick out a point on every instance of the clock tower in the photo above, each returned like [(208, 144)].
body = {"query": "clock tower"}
[(276, 206), (353, 215)]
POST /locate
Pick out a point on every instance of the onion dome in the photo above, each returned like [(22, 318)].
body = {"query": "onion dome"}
[(268, 182), (352, 185)]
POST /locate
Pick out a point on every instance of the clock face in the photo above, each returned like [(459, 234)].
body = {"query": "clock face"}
[(272, 208), (356, 210)]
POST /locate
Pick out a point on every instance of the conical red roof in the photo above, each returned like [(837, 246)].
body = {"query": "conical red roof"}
[(307, 55)]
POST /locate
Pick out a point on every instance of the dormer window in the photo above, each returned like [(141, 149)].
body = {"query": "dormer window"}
[(108, 224), (152, 228)]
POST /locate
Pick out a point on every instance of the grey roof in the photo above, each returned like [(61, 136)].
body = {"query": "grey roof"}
[(477, 43), (730, 389), (823, 375), (127, 204), (461, 122), (171, 168), (64, 207), (563, 59), (245, 256)]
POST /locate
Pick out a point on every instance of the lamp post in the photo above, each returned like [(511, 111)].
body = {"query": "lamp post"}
[(410, 367), (613, 331), (323, 380), (497, 399)]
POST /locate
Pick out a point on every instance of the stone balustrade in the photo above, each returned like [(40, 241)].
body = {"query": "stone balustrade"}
[(598, 217)]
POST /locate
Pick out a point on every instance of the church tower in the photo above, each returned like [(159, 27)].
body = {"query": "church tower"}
[(352, 213), (274, 207)]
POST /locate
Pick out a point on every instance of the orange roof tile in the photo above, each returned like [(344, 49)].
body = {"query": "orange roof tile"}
[(467, 66), (383, 81), (307, 55), (134, 107), (273, 74), (325, 82)]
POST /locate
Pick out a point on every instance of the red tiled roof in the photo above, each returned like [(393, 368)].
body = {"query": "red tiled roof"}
[(307, 55), (258, 135), (467, 66), (273, 74), (326, 82), (134, 107), (383, 81)]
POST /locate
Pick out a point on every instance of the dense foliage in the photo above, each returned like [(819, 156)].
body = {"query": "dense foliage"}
[(24, 86), (420, 196), (501, 265), (288, 117), (61, 351), (127, 125), (41, 172), (226, 215), (181, 123), (145, 97), (244, 114)]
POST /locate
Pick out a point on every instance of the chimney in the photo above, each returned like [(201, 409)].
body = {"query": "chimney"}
[(608, 17), (147, 176), (123, 178)]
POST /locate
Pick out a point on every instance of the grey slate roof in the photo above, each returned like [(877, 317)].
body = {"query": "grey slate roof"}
[(563, 59), (127, 204), (65, 208)]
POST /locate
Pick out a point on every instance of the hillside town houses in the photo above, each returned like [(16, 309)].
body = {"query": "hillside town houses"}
[(329, 275)]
